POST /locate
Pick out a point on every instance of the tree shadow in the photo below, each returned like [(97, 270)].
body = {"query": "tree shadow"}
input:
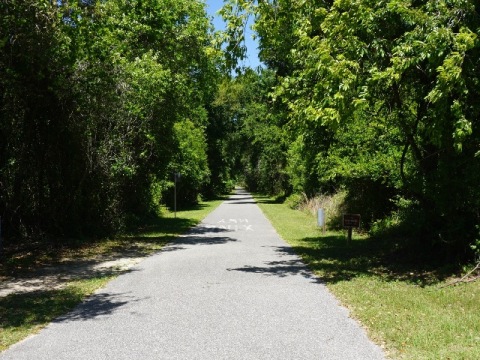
[(280, 269), (264, 199), (199, 235), (158, 232), (181, 243), (336, 260), (173, 234), (217, 197), (41, 307), (187, 207), (242, 202), (202, 230), (166, 226), (97, 305), (239, 198), (23, 258)]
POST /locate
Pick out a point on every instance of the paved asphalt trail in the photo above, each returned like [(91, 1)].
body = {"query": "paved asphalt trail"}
[(229, 289)]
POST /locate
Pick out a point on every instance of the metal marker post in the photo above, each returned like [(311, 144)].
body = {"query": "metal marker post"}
[(321, 219), (175, 195), (176, 178)]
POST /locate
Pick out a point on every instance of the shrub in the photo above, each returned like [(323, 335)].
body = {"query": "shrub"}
[(334, 206)]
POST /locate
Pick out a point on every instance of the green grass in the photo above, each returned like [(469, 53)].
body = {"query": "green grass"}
[(24, 314), (405, 307)]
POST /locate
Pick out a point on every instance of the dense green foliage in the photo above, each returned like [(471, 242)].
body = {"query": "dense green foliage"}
[(256, 144), (380, 98), (100, 103)]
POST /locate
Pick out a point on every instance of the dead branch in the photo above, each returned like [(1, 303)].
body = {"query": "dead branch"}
[(465, 278)]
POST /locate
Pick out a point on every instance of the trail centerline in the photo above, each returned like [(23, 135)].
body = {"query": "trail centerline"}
[(229, 289)]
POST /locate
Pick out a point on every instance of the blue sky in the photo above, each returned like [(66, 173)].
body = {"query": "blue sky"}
[(252, 61)]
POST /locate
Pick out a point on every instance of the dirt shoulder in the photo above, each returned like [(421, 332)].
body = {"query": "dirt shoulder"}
[(111, 258), (56, 277)]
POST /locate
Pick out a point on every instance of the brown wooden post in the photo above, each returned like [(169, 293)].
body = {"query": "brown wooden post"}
[(351, 221)]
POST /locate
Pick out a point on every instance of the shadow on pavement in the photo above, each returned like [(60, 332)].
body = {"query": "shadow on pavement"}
[(205, 230), (242, 202), (281, 268), (338, 261), (196, 240), (97, 305), (41, 307), (200, 235), (239, 196)]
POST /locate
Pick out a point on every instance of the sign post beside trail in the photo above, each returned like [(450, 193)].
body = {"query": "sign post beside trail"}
[(176, 177), (321, 219), (351, 221)]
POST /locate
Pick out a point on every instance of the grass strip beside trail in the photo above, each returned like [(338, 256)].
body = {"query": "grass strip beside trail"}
[(404, 307), (23, 314)]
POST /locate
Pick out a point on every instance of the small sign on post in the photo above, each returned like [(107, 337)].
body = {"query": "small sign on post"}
[(351, 221)]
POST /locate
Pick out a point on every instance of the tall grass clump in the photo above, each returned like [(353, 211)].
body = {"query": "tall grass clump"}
[(334, 206)]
